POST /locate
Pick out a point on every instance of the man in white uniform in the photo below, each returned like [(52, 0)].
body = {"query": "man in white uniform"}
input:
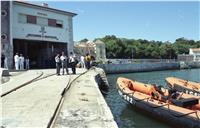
[(82, 62), (63, 59), (72, 61), (16, 59), (21, 62)]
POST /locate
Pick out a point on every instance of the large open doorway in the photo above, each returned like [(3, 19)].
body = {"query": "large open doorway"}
[(40, 53)]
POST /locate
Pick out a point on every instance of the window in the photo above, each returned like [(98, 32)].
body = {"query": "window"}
[(31, 19), (3, 36), (55, 23), (42, 21), (3, 12), (59, 24), (52, 22)]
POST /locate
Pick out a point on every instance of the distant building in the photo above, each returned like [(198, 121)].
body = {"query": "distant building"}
[(196, 53), (96, 49), (36, 31), (185, 57)]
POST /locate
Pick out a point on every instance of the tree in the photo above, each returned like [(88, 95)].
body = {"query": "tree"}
[(84, 40), (125, 48)]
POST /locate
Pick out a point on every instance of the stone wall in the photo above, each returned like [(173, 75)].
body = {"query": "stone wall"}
[(139, 67)]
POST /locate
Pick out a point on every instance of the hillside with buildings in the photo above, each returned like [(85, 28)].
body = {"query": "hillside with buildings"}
[(143, 49)]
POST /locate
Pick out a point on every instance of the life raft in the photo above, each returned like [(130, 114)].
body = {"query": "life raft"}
[(185, 86), (185, 113)]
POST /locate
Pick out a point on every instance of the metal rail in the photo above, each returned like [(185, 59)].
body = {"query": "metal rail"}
[(27, 83), (57, 110)]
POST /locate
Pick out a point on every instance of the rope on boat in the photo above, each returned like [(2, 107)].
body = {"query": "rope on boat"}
[(155, 107), (182, 115)]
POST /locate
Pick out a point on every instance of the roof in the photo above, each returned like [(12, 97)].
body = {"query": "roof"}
[(45, 8), (85, 44), (99, 42), (195, 49)]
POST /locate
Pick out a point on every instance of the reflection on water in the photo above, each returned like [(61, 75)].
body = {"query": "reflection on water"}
[(126, 115)]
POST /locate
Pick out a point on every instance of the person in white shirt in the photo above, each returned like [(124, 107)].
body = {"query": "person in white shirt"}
[(16, 59), (21, 62), (63, 59), (82, 61), (72, 61), (58, 63)]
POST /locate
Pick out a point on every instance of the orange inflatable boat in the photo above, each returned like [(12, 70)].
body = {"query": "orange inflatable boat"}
[(179, 109), (185, 86)]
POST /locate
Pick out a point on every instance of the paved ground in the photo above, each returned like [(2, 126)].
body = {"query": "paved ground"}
[(18, 80), (84, 106), (34, 104)]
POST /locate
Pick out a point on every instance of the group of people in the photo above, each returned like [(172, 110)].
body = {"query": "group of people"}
[(64, 62), (20, 62), (87, 61)]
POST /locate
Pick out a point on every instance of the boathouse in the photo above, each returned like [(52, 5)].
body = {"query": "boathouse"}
[(36, 31)]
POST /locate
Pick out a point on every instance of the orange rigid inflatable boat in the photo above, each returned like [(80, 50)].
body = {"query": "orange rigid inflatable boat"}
[(183, 112), (188, 87)]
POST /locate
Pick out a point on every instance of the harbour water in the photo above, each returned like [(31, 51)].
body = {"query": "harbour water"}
[(125, 115)]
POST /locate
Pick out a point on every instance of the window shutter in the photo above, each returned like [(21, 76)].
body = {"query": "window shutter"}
[(31, 19), (52, 22)]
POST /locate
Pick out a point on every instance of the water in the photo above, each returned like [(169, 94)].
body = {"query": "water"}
[(125, 115)]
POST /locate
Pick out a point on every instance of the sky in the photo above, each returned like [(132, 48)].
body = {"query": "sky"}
[(160, 21)]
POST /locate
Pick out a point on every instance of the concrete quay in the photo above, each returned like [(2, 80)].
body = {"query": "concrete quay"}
[(34, 104), (84, 106)]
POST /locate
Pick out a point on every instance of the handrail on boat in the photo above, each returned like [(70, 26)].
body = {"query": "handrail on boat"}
[(183, 114)]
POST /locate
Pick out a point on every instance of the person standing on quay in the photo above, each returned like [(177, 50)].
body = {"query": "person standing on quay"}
[(27, 63), (16, 59), (2, 60), (72, 62), (63, 59), (21, 62), (87, 61), (58, 64), (82, 61), (6, 63)]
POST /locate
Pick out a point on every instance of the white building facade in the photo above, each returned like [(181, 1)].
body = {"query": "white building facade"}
[(196, 54), (38, 32), (96, 49)]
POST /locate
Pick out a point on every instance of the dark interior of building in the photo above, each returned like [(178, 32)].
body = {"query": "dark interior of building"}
[(40, 53)]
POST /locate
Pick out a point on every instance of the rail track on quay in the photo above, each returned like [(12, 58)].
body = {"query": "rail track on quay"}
[(37, 78), (36, 97), (57, 110)]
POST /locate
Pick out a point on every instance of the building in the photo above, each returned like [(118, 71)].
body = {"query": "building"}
[(36, 31), (96, 49), (196, 53), (185, 57)]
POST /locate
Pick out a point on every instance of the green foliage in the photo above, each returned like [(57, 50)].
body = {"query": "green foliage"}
[(130, 48), (84, 40)]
